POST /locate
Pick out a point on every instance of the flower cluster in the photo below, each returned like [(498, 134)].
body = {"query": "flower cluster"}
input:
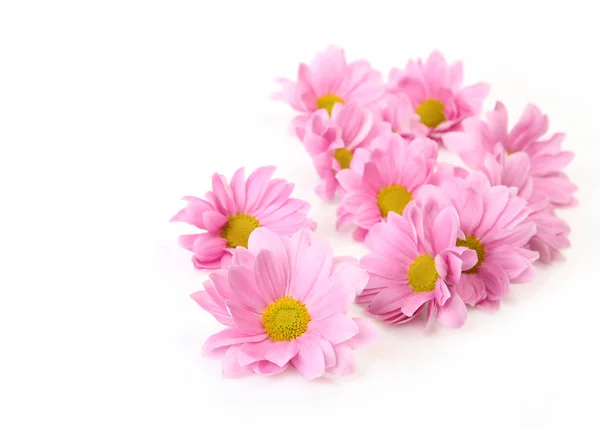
[(441, 237)]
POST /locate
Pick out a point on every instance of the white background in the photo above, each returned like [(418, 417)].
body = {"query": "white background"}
[(110, 111)]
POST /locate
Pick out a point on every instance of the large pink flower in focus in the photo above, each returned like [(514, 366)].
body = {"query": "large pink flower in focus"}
[(285, 303), (387, 182), (338, 142), (547, 159), (496, 225), (231, 211), (435, 92), (414, 263), (330, 80)]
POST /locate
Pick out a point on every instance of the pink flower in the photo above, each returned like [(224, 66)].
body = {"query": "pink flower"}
[(514, 171), (435, 92), (285, 303), (414, 260), (330, 80), (230, 212), (387, 182), (496, 225), (337, 143), (546, 156)]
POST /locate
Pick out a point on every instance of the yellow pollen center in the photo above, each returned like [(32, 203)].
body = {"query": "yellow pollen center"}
[(431, 113), (474, 244), (327, 101), (238, 229), (393, 199), (343, 156), (285, 319), (422, 274)]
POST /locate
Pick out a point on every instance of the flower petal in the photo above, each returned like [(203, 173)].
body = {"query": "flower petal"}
[(309, 361), (336, 328), (454, 312), (270, 276)]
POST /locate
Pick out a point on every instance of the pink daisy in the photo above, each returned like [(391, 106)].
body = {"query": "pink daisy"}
[(285, 303), (496, 225), (330, 80), (414, 262), (231, 211), (335, 144), (435, 92), (547, 159), (387, 182), (551, 234)]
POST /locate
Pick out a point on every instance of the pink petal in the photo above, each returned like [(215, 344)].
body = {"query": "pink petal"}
[(246, 291), (445, 229), (282, 352), (367, 334), (238, 187), (256, 186), (454, 312), (263, 238), (309, 361), (270, 276), (267, 368), (245, 319), (242, 257), (231, 367), (312, 266), (336, 328), (215, 308), (216, 343), (253, 352), (209, 248), (214, 221), (450, 263), (345, 364)]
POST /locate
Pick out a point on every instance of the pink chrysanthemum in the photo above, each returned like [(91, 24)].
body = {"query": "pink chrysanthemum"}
[(285, 303), (513, 170), (338, 143), (497, 226), (551, 234), (435, 92), (547, 159), (387, 182), (330, 80), (230, 212), (414, 263)]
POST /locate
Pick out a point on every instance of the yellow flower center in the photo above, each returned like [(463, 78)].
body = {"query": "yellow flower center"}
[(327, 101), (422, 274), (238, 229), (474, 244), (343, 156), (393, 199), (285, 319), (431, 113)]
